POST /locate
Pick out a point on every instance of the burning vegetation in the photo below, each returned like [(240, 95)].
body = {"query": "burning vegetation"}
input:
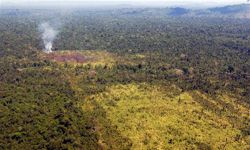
[(48, 35)]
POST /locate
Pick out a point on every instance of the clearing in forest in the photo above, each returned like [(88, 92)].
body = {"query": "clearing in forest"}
[(81, 57)]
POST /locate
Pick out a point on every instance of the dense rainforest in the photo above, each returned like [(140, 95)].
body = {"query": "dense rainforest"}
[(121, 79)]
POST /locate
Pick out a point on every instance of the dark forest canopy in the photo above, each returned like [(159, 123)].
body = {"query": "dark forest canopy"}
[(113, 71)]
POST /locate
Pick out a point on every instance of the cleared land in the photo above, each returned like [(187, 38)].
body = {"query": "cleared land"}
[(81, 57)]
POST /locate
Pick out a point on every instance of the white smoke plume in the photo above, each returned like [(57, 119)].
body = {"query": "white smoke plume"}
[(48, 36)]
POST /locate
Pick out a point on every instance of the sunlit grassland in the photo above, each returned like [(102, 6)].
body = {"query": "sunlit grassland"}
[(153, 117)]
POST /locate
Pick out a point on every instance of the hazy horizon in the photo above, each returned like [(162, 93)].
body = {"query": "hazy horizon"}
[(118, 3)]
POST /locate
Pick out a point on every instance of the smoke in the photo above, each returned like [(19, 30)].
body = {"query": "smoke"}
[(48, 36)]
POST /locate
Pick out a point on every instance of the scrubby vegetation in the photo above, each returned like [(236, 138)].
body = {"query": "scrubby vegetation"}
[(156, 117), (124, 81)]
